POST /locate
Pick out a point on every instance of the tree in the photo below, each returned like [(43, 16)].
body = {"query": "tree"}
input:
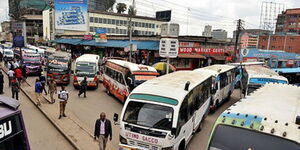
[(15, 10), (121, 7), (131, 11)]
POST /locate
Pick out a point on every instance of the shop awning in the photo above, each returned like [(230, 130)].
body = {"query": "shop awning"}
[(191, 56), (68, 41), (141, 45)]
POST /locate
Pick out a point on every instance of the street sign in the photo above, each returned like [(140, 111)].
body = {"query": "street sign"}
[(168, 47), (170, 30)]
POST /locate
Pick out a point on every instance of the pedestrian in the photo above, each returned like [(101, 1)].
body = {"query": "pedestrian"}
[(83, 87), (52, 89), (103, 131), (16, 64), (38, 91), (63, 97), (18, 73), (24, 74), (1, 82), (11, 75), (43, 82), (15, 88)]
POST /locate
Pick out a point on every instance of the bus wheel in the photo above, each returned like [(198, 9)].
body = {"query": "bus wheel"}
[(182, 146)]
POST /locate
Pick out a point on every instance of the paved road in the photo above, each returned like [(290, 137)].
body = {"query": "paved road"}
[(97, 101), (42, 134)]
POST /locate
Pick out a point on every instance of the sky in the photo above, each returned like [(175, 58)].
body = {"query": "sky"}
[(193, 15)]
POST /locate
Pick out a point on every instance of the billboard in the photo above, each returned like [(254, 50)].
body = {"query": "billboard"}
[(71, 15), (164, 15)]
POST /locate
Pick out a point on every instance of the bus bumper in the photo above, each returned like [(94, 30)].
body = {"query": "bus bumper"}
[(126, 147)]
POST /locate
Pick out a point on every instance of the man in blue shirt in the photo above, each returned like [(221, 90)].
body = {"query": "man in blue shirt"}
[(38, 91)]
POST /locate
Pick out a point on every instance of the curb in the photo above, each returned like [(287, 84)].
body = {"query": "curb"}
[(50, 120)]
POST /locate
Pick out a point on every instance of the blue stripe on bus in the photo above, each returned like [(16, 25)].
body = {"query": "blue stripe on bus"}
[(266, 80), (248, 120)]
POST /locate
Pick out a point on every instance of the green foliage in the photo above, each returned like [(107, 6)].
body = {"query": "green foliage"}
[(121, 7), (131, 11)]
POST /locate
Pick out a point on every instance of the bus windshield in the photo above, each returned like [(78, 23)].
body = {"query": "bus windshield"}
[(149, 115), (234, 138), (85, 69)]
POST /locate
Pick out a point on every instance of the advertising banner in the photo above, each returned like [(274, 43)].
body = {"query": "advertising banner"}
[(100, 36), (71, 15), (211, 51)]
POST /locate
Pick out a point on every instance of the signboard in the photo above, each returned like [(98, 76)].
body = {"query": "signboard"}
[(164, 15), (189, 44), (170, 30), (100, 36), (20, 27), (71, 15), (168, 48), (18, 41), (195, 50), (88, 37)]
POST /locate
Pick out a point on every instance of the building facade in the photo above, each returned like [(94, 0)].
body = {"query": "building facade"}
[(248, 41), (207, 31), (113, 23), (253, 32), (287, 43), (219, 34), (288, 21)]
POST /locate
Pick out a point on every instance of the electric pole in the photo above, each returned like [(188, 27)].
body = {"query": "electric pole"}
[(130, 29), (239, 28)]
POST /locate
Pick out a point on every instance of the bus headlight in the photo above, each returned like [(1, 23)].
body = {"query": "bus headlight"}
[(168, 148), (123, 140)]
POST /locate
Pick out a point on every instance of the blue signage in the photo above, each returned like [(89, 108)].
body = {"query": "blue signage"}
[(265, 80), (71, 14), (18, 41), (100, 31)]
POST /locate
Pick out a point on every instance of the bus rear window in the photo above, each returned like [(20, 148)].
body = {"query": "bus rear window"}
[(234, 138)]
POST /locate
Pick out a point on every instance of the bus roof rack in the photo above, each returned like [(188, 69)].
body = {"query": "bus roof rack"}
[(9, 102)]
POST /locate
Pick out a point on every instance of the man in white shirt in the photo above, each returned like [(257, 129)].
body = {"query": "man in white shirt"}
[(11, 75), (63, 97)]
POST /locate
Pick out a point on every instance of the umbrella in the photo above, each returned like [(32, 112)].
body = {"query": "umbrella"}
[(162, 67)]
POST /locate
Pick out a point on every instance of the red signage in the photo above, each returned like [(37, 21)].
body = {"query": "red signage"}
[(189, 44), (88, 37), (213, 51)]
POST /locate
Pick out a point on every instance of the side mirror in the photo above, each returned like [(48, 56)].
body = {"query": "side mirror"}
[(98, 73), (173, 131), (130, 80), (116, 117), (72, 71)]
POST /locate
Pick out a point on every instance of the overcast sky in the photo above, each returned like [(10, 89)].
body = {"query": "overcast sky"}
[(193, 15)]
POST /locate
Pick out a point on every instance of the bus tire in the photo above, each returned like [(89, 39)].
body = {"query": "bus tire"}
[(182, 145)]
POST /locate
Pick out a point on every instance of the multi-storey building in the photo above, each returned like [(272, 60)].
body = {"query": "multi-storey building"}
[(248, 41), (207, 31), (219, 34), (288, 43), (288, 21)]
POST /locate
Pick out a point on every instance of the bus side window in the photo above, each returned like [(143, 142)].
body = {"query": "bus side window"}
[(190, 104), (183, 115)]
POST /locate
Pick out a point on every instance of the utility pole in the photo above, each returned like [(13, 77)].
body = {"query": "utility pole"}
[(130, 30), (238, 32)]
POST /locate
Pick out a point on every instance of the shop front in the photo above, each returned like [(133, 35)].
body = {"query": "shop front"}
[(273, 58), (192, 55)]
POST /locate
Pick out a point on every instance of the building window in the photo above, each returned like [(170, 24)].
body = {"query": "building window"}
[(136, 24), (113, 30), (274, 39), (100, 20), (104, 21), (117, 22), (118, 31), (273, 47), (125, 22), (113, 21), (91, 19), (143, 25), (146, 25), (108, 21), (140, 24), (290, 48), (91, 29), (153, 26), (96, 20)]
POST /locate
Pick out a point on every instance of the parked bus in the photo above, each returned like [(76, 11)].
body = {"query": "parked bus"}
[(59, 67), (256, 76), (12, 128), (164, 113), (121, 77), (292, 74), (33, 63), (87, 65), (223, 83), (269, 119)]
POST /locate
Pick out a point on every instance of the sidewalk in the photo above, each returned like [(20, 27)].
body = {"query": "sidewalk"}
[(71, 127)]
